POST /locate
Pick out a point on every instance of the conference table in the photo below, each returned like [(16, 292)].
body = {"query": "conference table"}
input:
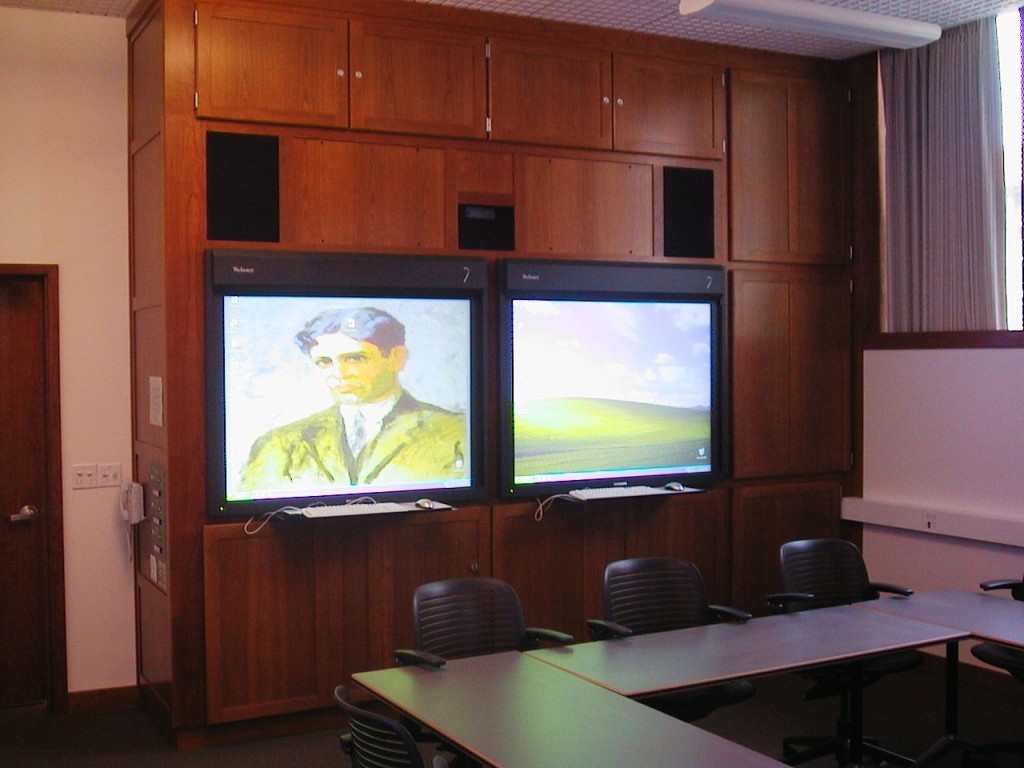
[(983, 616), (646, 665), (575, 704), (513, 711)]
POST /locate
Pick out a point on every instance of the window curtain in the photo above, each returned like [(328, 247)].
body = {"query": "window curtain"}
[(945, 220)]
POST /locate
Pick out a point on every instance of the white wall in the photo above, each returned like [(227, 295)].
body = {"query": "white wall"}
[(943, 466), (64, 201)]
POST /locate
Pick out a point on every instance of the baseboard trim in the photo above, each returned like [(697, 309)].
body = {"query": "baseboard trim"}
[(103, 701)]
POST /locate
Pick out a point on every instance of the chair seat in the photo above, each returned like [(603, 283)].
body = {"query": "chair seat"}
[(695, 703), (1010, 659)]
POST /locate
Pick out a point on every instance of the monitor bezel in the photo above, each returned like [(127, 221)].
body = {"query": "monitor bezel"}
[(254, 272), (609, 281)]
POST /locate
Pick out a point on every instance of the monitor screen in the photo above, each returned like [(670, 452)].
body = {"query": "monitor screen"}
[(353, 385), (610, 376)]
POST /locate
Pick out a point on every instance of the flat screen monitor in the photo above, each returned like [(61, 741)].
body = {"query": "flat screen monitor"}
[(611, 375), (337, 377)]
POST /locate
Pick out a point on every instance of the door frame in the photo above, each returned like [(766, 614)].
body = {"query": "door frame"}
[(57, 684)]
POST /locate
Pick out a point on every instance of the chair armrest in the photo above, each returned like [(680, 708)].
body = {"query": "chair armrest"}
[(1016, 586), (779, 601), (607, 630), (728, 613), (549, 635), (892, 589), (1001, 584), (406, 657)]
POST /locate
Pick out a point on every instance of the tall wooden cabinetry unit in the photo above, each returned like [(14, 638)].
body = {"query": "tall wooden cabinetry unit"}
[(385, 118), (791, 316)]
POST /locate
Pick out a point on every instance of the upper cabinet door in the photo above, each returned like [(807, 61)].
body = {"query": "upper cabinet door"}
[(789, 173), (418, 80), (269, 66), (669, 107), (544, 93)]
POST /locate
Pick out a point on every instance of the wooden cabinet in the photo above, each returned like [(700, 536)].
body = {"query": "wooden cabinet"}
[(418, 80), (669, 107), (788, 165), (765, 517), (295, 609), (556, 564), (414, 550), (550, 94), (261, 622), (790, 372), (593, 208), (350, 194), (262, 65)]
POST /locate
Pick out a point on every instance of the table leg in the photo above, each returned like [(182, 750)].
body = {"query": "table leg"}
[(952, 687)]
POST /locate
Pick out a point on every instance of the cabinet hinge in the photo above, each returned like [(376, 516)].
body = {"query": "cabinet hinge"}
[(723, 78), (195, 18), (723, 147), (487, 124), (851, 286), (851, 253), (196, 100), (487, 49)]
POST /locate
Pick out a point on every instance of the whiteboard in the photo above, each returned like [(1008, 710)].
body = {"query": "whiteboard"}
[(944, 429)]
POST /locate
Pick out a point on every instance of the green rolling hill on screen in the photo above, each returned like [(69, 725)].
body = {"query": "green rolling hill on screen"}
[(576, 434)]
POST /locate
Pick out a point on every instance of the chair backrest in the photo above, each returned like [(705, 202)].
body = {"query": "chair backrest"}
[(831, 569), (377, 741), (469, 616), (655, 594)]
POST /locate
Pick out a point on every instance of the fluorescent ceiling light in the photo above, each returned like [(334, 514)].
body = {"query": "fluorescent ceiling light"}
[(817, 19)]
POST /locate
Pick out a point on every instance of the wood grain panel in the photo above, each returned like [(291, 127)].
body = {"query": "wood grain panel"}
[(544, 93), (669, 107), (415, 549), (820, 384), (760, 374), (692, 526), (764, 517), (587, 207), (759, 168), (271, 66), (418, 80), (544, 561), (261, 626), (819, 176), (351, 194)]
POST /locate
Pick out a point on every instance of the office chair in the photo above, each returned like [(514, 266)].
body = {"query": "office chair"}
[(1003, 657), (656, 594), (818, 573), (470, 616), (376, 741)]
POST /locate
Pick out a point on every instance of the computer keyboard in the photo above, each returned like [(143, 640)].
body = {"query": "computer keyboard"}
[(617, 492), (339, 510)]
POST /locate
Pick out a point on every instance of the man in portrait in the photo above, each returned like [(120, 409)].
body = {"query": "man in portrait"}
[(375, 431)]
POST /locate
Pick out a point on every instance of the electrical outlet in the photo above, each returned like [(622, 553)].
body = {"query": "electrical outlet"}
[(84, 476), (108, 475)]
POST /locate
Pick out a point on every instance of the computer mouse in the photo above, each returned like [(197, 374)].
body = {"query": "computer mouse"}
[(424, 504), (673, 486)]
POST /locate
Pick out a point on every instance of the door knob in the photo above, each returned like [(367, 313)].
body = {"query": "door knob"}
[(26, 514)]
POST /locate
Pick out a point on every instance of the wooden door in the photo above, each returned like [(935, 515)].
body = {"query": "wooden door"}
[(789, 170), (550, 94), (791, 372), (669, 107), (271, 66), (32, 661), (418, 80), (593, 208)]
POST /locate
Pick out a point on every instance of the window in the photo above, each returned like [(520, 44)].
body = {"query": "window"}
[(1008, 26)]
